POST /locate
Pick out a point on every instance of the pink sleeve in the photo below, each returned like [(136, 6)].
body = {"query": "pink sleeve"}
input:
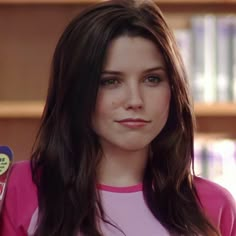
[(8, 225), (228, 217), (20, 202), (218, 204)]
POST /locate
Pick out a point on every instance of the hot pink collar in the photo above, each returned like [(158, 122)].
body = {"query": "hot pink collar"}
[(128, 189)]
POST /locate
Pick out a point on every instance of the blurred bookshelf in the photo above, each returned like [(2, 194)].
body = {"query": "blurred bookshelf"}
[(29, 32), (214, 159)]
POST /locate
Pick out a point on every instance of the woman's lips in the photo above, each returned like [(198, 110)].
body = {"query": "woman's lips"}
[(133, 123)]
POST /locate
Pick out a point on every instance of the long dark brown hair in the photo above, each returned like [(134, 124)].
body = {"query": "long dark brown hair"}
[(67, 151)]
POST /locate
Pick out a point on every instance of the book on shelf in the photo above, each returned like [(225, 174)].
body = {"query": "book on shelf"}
[(234, 61), (183, 38), (208, 49), (203, 29), (197, 78), (224, 56), (215, 159)]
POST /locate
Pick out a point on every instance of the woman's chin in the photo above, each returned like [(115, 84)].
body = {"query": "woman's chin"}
[(133, 146)]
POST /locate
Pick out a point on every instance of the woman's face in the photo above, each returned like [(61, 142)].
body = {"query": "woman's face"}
[(134, 95)]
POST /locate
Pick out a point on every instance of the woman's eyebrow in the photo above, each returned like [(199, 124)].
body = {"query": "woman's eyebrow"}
[(155, 69), (111, 72)]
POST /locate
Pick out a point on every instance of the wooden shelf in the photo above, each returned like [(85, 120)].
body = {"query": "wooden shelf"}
[(96, 1), (219, 110), (191, 1), (26, 109), (33, 109), (49, 1)]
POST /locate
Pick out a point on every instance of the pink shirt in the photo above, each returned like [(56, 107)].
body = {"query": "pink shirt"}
[(20, 208)]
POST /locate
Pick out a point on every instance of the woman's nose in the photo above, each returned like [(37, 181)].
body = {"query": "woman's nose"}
[(134, 98)]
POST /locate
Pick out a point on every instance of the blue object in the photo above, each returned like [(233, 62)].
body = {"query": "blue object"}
[(7, 151)]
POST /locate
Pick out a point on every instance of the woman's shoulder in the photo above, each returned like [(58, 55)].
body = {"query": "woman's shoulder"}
[(20, 200), (20, 183), (20, 170), (208, 189), (218, 204)]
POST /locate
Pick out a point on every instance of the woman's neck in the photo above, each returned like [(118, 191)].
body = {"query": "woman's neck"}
[(122, 168)]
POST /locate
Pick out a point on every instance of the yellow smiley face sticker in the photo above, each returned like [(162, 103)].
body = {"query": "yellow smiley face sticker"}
[(4, 163)]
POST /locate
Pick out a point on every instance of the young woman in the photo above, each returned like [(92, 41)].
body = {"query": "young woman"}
[(114, 152)]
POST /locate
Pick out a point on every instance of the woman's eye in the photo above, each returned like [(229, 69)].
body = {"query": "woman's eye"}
[(108, 82), (153, 79)]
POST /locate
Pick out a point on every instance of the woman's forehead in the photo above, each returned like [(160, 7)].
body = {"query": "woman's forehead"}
[(126, 51)]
